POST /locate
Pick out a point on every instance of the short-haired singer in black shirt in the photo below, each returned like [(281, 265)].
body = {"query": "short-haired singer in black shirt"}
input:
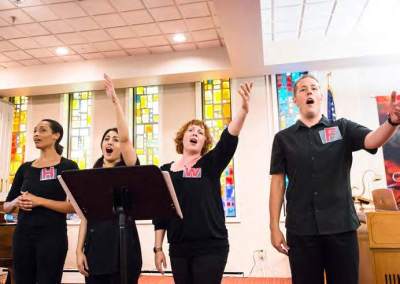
[(316, 156), (40, 239), (97, 251), (199, 243)]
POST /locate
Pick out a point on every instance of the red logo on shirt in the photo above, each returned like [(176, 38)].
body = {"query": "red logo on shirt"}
[(192, 172), (330, 133), (48, 173)]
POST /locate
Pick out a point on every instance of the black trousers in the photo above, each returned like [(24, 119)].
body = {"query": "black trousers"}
[(39, 254), (111, 279), (200, 269), (336, 254)]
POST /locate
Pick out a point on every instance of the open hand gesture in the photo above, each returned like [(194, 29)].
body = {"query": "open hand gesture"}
[(108, 84), (244, 92)]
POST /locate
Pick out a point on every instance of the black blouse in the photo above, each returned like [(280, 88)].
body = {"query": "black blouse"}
[(199, 194), (41, 182)]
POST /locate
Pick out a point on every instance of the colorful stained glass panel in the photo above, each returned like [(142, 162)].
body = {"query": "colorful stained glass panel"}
[(146, 114), (216, 100), (80, 125), (288, 112), (18, 137)]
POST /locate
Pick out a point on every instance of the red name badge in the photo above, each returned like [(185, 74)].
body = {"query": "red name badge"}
[(192, 172), (330, 134), (48, 173)]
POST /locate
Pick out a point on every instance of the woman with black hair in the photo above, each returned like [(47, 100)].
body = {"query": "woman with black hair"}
[(98, 243), (40, 239)]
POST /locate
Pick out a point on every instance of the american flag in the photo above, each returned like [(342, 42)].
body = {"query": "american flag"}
[(331, 106)]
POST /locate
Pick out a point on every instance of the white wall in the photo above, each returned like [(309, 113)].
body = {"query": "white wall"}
[(177, 107), (103, 118), (41, 107), (252, 160), (6, 115)]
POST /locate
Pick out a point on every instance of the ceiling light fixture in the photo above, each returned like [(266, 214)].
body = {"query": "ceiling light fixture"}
[(62, 50), (179, 38)]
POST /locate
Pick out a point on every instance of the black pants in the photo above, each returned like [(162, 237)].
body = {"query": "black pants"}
[(39, 254), (199, 269), (336, 254), (111, 279)]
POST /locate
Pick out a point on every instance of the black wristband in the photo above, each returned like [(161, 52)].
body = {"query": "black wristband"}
[(156, 249), (389, 120)]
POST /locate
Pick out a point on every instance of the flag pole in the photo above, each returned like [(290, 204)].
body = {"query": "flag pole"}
[(328, 79)]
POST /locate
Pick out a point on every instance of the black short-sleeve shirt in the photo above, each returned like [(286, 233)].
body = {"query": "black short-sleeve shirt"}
[(317, 162), (202, 229), (41, 182)]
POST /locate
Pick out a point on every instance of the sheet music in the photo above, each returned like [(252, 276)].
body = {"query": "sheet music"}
[(171, 189), (71, 198)]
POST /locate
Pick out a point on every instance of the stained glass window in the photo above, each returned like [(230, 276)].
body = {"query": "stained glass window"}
[(80, 122), (288, 111), (216, 101), (146, 123), (18, 134)]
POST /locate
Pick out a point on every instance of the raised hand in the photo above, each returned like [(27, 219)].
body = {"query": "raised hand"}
[(244, 92), (394, 108), (109, 86)]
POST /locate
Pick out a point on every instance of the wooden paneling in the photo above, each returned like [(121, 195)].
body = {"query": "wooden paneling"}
[(384, 244), (384, 229), (6, 232)]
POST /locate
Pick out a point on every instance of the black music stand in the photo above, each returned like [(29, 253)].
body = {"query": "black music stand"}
[(140, 192)]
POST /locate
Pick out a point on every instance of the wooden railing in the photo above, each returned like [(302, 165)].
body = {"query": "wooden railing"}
[(6, 233)]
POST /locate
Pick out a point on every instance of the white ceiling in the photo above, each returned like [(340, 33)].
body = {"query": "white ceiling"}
[(31, 30), (302, 19)]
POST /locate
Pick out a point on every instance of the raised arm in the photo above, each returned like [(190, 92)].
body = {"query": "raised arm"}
[(382, 134), (275, 205), (237, 122), (127, 149)]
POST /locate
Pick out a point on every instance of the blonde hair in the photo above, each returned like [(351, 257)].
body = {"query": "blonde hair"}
[(301, 78), (179, 136)]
